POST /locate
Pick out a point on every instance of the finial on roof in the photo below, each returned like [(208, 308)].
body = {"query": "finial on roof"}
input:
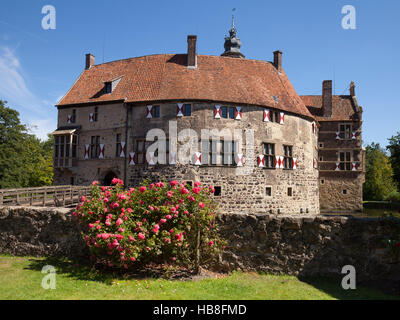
[(232, 43)]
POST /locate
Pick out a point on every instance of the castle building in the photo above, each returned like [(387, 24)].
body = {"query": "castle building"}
[(234, 123)]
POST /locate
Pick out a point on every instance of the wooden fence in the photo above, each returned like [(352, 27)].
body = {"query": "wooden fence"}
[(53, 196)]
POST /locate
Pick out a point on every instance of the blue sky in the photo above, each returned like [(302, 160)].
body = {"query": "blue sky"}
[(38, 66)]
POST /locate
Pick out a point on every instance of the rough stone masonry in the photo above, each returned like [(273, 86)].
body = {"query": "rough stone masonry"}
[(296, 244)]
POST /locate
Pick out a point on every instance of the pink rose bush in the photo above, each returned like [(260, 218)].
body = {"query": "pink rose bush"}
[(152, 223)]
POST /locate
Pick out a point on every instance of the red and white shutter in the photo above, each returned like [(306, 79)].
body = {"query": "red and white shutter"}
[(353, 135), (238, 113), (179, 110), (172, 158), (337, 135), (217, 112), (87, 151), (282, 162), (150, 158), (281, 118), (101, 154), (315, 163), (266, 117), (149, 112), (337, 166), (132, 158), (91, 117), (294, 163), (314, 127), (122, 150), (353, 166), (261, 161), (69, 119), (197, 159), (277, 162), (239, 160)]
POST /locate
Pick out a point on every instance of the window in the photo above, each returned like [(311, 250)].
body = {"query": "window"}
[(322, 181), (228, 112), (321, 145), (274, 116), (187, 110), (189, 183), (140, 151), (345, 160), (107, 87), (289, 191), (64, 150), (228, 152), (156, 111), (345, 191), (268, 191), (269, 155), (218, 152), (72, 181), (118, 145), (94, 147), (287, 157), (96, 114), (73, 117), (321, 159), (345, 131), (218, 191), (74, 145)]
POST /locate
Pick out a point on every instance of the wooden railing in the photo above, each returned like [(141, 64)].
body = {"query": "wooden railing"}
[(53, 196)]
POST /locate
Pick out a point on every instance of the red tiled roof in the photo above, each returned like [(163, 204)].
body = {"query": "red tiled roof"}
[(166, 77), (342, 108)]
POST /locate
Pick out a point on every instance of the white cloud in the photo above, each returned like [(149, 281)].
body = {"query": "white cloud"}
[(13, 88)]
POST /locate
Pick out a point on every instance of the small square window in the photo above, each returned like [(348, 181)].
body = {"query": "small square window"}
[(189, 183), (289, 191), (156, 111), (268, 191), (187, 110), (321, 145), (322, 181), (344, 191), (217, 191), (72, 181), (108, 87), (321, 159)]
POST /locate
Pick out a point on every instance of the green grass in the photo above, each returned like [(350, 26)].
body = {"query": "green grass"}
[(21, 277)]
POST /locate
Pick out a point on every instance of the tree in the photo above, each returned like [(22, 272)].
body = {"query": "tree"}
[(379, 181), (394, 149), (25, 161)]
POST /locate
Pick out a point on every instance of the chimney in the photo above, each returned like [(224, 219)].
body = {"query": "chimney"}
[(278, 60), (327, 98), (352, 89), (191, 53), (89, 60)]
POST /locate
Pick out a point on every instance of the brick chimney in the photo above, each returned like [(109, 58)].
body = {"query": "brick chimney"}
[(327, 98), (191, 53), (278, 60), (352, 89), (89, 61)]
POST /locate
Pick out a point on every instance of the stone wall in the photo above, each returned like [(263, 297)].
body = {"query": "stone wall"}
[(290, 244), (310, 246), (34, 231)]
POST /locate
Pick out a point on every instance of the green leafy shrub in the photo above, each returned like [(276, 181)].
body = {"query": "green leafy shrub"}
[(152, 223), (393, 196)]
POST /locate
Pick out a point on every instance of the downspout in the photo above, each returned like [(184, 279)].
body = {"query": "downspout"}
[(126, 143)]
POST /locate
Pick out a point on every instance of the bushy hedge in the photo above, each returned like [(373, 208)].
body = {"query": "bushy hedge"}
[(162, 222)]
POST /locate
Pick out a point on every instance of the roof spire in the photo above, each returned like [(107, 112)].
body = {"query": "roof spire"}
[(232, 43)]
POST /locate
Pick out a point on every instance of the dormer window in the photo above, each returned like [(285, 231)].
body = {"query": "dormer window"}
[(109, 86)]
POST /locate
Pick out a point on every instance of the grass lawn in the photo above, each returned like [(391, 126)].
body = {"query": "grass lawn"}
[(21, 277)]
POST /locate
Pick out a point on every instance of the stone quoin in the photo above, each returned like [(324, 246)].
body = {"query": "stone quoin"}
[(283, 153)]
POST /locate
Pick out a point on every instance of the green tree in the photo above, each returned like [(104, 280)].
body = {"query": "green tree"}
[(25, 161), (379, 181), (394, 149)]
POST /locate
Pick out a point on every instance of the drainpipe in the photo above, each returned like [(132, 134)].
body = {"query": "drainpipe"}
[(126, 143)]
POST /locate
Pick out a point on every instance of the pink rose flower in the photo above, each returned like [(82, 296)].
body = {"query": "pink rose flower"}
[(141, 236), (169, 194), (211, 243), (197, 184), (168, 216), (173, 183), (142, 189), (201, 205), (91, 225), (119, 222)]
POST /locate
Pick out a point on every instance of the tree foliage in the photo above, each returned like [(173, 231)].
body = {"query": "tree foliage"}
[(25, 160), (394, 149), (379, 181)]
